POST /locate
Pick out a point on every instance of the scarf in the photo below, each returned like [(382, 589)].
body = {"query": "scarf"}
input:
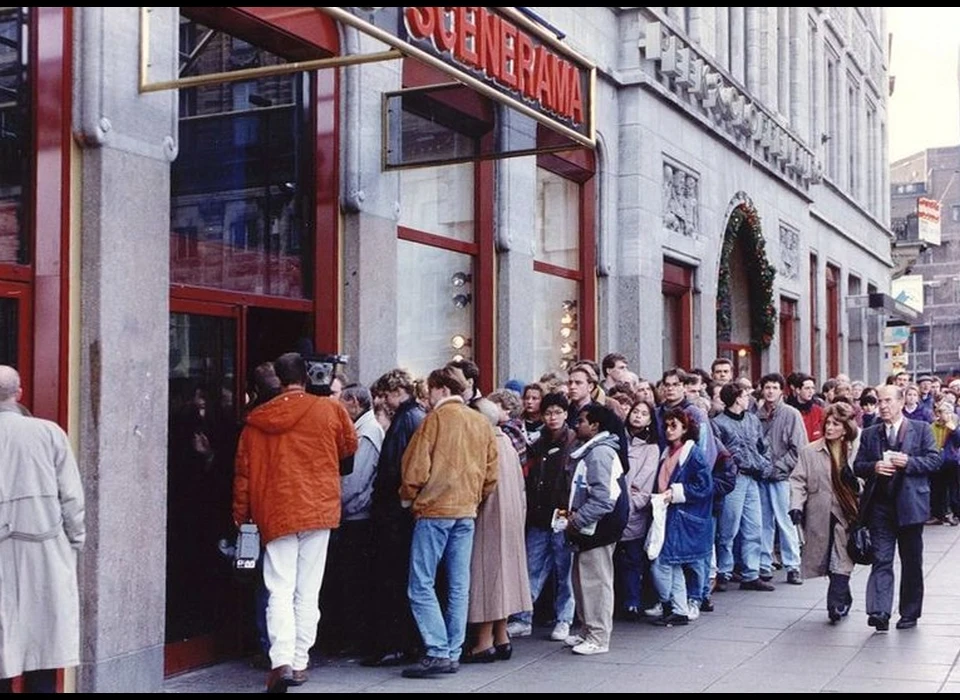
[(669, 466), (843, 490)]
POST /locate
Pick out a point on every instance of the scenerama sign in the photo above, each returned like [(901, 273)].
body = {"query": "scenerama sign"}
[(480, 40), (498, 51)]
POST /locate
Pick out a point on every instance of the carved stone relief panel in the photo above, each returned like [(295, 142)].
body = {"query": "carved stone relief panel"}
[(680, 200), (789, 252)]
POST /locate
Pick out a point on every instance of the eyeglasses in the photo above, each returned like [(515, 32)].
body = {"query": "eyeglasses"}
[(554, 412)]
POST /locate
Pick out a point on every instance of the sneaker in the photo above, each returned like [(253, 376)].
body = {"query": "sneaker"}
[(561, 631), (428, 666), (756, 585), (574, 640), (655, 611), (793, 577), (518, 628), (671, 621), (951, 520), (590, 648), (693, 609)]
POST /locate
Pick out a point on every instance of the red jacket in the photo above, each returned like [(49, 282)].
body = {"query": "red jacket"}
[(287, 475)]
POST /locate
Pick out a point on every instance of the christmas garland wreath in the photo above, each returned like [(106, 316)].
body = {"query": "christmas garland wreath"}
[(763, 311)]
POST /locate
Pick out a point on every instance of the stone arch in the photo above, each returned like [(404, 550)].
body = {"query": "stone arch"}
[(744, 233)]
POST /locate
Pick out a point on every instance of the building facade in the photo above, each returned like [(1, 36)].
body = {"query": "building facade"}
[(933, 175), (523, 187)]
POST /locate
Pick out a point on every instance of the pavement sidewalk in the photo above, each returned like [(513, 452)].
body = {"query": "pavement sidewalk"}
[(754, 642)]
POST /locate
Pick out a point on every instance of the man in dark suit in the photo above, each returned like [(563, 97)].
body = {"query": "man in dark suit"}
[(896, 457)]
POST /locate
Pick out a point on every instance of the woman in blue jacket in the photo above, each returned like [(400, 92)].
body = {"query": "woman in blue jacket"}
[(685, 482)]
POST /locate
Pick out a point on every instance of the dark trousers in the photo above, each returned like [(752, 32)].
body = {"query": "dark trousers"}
[(345, 596), (945, 491), (40, 681), (838, 592), (888, 538)]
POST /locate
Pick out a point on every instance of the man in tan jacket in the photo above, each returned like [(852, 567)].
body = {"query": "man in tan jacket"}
[(449, 467), (287, 480)]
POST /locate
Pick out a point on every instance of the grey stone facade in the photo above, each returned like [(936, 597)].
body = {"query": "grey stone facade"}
[(747, 111)]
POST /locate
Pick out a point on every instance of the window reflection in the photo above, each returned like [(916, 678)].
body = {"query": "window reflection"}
[(15, 142), (239, 207), (556, 326), (558, 220), (439, 200), (434, 306), (8, 332)]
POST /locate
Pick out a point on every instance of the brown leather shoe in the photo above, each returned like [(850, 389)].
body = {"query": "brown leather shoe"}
[(299, 677), (279, 679)]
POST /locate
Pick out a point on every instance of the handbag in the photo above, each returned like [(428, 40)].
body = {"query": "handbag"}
[(859, 544), (658, 528)]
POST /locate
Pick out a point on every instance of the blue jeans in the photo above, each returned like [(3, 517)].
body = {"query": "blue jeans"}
[(743, 515), (671, 585), (775, 502), (447, 541), (631, 565), (547, 552), (698, 573)]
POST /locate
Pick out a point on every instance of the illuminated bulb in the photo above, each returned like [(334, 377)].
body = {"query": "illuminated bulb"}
[(458, 341), (457, 358), (742, 352), (565, 332), (566, 348), (567, 319)]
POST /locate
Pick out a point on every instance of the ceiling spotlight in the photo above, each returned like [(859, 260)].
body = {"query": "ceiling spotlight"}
[(460, 278), (461, 300), (458, 341), (567, 319), (457, 358), (565, 332), (569, 304), (567, 348)]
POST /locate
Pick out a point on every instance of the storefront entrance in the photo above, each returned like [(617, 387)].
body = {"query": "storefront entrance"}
[(213, 350), (14, 331)]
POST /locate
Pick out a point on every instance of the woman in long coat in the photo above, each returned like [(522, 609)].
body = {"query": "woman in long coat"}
[(499, 583), (823, 501)]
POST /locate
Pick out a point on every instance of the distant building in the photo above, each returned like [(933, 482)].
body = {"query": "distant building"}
[(932, 174)]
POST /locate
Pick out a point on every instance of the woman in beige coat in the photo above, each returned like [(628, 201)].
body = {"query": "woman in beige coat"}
[(499, 583), (823, 501)]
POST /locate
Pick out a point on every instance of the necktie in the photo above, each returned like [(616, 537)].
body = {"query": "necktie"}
[(891, 437)]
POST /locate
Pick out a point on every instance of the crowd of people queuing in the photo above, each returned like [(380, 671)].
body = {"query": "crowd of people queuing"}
[(579, 499)]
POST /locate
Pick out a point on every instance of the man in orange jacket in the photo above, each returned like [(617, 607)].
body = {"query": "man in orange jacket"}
[(287, 480)]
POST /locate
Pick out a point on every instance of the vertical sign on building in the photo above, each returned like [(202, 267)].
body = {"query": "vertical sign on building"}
[(928, 220)]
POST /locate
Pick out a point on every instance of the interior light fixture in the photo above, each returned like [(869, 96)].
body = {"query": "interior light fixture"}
[(458, 341), (569, 304), (461, 300), (742, 352), (457, 358), (567, 319), (568, 347), (460, 278), (565, 332)]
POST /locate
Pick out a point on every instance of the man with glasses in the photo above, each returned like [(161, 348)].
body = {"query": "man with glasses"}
[(548, 489)]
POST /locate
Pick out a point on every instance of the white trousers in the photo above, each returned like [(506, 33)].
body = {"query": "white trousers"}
[(293, 572)]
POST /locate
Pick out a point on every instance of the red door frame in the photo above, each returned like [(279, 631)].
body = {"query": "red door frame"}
[(833, 320), (788, 335), (677, 281)]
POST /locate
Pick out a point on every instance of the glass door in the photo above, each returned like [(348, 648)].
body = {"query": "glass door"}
[(202, 595)]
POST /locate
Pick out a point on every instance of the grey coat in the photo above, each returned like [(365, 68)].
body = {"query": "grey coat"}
[(811, 491), (41, 529)]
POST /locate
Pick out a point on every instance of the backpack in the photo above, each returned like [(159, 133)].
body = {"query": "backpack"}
[(610, 527)]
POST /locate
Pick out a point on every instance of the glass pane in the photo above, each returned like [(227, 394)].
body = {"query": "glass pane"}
[(15, 142), (439, 200), (556, 330), (8, 332), (434, 307), (240, 204), (202, 443), (558, 220)]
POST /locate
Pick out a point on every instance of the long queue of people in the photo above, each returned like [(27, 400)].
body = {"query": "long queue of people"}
[(601, 496)]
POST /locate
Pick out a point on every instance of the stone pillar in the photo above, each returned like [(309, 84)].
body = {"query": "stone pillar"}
[(371, 202), (515, 230), (128, 140), (753, 50), (737, 42)]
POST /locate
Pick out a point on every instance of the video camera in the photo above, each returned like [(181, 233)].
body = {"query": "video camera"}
[(321, 369)]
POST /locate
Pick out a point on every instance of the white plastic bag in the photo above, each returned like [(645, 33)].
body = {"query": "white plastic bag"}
[(657, 531)]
